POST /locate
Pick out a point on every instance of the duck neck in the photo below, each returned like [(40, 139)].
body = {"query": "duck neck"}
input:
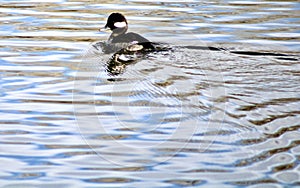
[(117, 32)]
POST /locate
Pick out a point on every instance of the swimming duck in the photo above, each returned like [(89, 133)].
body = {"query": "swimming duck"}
[(120, 39)]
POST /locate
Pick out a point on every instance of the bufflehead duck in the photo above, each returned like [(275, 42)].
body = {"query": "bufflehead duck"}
[(126, 48), (120, 39)]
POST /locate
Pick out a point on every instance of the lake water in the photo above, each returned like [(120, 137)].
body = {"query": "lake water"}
[(221, 109)]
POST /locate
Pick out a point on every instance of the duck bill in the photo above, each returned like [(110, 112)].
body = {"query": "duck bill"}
[(104, 29)]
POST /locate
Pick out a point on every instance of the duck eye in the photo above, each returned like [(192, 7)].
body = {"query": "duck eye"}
[(120, 24)]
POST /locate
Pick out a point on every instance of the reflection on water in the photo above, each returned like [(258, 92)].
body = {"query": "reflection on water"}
[(219, 117)]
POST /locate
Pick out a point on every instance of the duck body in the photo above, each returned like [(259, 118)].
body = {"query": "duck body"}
[(128, 38)]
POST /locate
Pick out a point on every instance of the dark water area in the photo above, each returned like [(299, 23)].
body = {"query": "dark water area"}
[(221, 109)]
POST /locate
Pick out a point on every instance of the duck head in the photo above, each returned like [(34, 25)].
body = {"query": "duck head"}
[(117, 23)]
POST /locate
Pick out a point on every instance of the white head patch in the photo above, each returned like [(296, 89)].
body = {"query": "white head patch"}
[(120, 24)]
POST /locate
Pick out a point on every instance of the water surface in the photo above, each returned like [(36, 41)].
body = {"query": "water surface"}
[(186, 117)]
